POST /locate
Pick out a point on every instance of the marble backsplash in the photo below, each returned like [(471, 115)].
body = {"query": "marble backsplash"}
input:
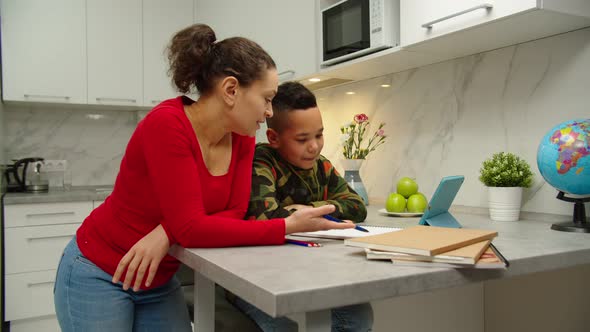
[(442, 119), (91, 140), (446, 118)]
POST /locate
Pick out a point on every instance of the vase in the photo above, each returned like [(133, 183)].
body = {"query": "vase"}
[(504, 203), (353, 177)]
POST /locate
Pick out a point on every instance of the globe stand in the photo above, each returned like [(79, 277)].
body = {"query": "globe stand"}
[(579, 223)]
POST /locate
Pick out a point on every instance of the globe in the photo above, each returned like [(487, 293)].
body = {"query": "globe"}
[(563, 157)]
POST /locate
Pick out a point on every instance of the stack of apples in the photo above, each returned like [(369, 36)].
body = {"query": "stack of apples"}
[(406, 198)]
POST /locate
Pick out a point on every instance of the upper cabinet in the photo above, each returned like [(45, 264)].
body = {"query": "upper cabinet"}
[(286, 29), (432, 31), (115, 70), (44, 51), (161, 19), (465, 27)]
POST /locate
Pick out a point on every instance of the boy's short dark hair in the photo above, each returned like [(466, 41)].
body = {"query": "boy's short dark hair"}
[(290, 96)]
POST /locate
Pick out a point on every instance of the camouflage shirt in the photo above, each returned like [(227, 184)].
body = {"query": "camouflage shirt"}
[(277, 184)]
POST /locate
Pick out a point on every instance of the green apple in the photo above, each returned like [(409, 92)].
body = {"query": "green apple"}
[(417, 203), (407, 187), (395, 203)]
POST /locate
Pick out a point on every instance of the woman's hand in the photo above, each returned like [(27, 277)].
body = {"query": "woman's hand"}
[(146, 253), (311, 220)]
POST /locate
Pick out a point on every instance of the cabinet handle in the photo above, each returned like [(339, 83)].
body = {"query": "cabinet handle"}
[(428, 25), (32, 284), (129, 100), (292, 72), (49, 237), (41, 215), (155, 102), (46, 97)]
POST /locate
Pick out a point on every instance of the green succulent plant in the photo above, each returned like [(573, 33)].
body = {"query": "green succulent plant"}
[(505, 169)]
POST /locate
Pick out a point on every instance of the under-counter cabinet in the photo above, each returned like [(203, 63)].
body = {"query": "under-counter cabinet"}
[(463, 27), (161, 19), (44, 51), (34, 238), (286, 29)]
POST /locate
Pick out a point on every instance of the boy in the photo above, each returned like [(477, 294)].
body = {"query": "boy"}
[(289, 174)]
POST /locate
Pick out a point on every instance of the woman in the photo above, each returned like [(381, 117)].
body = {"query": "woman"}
[(185, 178)]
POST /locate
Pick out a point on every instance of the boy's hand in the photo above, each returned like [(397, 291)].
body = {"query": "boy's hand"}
[(311, 220), (146, 253)]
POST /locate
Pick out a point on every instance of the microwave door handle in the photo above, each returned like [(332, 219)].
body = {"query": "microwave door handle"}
[(290, 71), (428, 25)]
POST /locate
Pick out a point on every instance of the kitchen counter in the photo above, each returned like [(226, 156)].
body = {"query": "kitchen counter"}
[(278, 279), (76, 194)]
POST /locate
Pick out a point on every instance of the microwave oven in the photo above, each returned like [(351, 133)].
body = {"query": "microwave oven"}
[(353, 28)]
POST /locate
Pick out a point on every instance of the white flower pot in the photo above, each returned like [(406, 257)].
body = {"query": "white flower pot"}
[(504, 203)]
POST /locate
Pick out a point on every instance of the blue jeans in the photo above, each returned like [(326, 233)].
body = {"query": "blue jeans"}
[(353, 318), (86, 300)]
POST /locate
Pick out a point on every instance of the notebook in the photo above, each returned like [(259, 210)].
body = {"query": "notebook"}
[(437, 213), (464, 255), (348, 233), (490, 259), (422, 240)]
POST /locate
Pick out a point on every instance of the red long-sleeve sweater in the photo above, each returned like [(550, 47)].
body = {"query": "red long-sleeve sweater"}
[(163, 180)]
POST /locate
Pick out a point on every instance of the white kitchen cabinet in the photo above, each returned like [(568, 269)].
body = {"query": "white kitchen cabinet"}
[(161, 19), (286, 29), (463, 27), (35, 236), (44, 51), (507, 23), (115, 52)]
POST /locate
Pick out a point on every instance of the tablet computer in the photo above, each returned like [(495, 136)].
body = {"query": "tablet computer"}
[(437, 213)]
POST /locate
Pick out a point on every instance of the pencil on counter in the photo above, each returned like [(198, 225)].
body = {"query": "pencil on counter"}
[(303, 243)]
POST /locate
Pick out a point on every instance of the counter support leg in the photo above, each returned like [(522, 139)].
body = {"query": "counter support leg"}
[(204, 304), (318, 321)]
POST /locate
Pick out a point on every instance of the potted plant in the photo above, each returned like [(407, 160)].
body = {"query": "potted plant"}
[(505, 174)]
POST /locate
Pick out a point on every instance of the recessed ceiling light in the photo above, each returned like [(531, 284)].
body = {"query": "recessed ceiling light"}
[(385, 85), (350, 93), (315, 79)]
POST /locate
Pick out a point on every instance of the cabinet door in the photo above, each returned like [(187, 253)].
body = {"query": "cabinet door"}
[(452, 16), (286, 29), (161, 19), (114, 52), (44, 50)]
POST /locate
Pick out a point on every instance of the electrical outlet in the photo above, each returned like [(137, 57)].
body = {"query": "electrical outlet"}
[(55, 165)]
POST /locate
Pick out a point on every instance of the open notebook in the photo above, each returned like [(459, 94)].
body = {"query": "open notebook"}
[(348, 233)]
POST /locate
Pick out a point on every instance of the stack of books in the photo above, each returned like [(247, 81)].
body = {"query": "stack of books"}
[(434, 247)]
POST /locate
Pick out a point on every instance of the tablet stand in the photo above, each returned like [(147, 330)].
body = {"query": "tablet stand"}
[(444, 219)]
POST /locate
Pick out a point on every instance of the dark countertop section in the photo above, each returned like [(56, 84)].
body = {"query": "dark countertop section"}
[(75, 194)]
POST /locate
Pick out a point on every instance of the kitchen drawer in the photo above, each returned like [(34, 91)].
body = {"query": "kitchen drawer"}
[(36, 248), (17, 215), (29, 295), (37, 324)]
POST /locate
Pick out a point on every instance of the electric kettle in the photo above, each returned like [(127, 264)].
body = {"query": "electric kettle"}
[(27, 175)]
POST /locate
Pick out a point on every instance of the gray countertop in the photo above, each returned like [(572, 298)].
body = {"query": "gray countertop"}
[(289, 279), (75, 194)]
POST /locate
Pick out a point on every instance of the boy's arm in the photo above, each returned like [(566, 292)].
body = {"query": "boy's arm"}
[(263, 201), (348, 204)]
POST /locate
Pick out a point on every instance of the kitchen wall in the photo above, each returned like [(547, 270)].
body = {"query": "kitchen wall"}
[(442, 119), (446, 118), (91, 140)]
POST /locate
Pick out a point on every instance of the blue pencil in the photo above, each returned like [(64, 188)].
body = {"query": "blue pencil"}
[(357, 227)]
